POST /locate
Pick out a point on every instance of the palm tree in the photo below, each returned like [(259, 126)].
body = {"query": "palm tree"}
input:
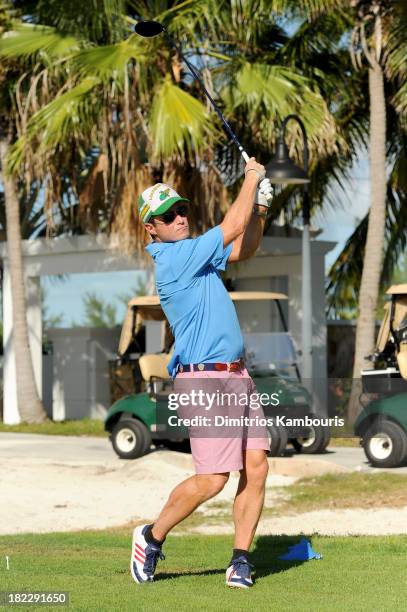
[(95, 105), (317, 52), (154, 124), (94, 109), (345, 274), (29, 404), (373, 41), (17, 220)]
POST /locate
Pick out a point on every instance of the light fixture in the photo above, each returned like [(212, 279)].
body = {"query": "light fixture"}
[(282, 170)]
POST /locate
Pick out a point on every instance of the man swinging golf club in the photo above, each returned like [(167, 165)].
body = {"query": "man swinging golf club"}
[(208, 344)]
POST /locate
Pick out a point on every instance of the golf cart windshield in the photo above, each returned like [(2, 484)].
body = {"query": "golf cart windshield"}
[(139, 310), (270, 352)]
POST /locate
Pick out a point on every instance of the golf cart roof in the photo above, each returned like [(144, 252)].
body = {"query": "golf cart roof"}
[(236, 296), (397, 290), (148, 308)]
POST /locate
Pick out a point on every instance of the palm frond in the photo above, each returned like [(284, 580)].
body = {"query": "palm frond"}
[(99, 22), (107, 62), (400, 102), (396, 233), (58, 121), (345, 274), (397, 43), (273, 92), (27, 41), (178, 122), (7, 15)]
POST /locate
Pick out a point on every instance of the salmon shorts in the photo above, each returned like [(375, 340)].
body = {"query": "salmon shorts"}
[(227, 421)]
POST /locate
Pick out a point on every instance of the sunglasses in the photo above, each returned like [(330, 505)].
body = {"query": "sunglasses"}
[(170, 216)]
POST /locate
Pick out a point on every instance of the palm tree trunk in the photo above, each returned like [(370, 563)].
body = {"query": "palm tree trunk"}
[(29, 404), (373, 257)]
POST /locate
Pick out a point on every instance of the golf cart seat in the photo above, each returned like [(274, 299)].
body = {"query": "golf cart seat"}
[(154, 366), (394, 327), (390, 356), (395, 314)]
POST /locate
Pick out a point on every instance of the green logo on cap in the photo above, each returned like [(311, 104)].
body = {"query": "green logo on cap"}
[(164, 194)]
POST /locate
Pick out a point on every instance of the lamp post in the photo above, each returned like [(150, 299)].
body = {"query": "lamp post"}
[(282, 170)]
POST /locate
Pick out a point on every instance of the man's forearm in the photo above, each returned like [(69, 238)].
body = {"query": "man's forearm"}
[(241, 209), (247, 243), (238, 216)]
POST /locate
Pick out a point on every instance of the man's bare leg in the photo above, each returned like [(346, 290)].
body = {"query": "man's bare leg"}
[(185, 498), (249, 498)]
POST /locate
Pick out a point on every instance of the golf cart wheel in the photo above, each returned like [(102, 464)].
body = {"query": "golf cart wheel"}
[(385, 444), (130, 439), (316, 441), (278, 440)]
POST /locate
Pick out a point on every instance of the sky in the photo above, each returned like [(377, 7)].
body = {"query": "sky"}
[(351, 205), (65, 297)]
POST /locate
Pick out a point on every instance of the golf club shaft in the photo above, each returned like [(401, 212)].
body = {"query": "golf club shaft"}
[(197, 76)]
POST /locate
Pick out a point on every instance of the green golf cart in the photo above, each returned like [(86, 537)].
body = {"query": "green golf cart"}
[(140, 383), (382, 425)]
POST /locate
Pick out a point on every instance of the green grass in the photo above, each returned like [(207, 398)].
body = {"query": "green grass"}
[(350, 490), (331, 491), (348, 441), (93, 427), (84, 427), (358, 574)]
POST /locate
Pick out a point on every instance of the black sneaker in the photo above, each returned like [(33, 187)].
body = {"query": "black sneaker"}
[(238, 573)]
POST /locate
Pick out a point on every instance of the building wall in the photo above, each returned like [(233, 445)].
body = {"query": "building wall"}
[(80, 373), (79, 381)]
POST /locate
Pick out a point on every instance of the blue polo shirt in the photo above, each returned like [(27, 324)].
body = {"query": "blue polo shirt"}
[(200, 312)]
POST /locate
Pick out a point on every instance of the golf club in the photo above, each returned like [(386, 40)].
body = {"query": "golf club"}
[(150, 29)]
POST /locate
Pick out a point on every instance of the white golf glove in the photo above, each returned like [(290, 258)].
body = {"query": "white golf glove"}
[(264, 193)]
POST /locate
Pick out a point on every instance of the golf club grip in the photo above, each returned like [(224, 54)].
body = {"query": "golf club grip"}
[(269, 196)]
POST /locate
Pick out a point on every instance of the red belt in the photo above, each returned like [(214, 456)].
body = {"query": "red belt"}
[(234, 366)]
